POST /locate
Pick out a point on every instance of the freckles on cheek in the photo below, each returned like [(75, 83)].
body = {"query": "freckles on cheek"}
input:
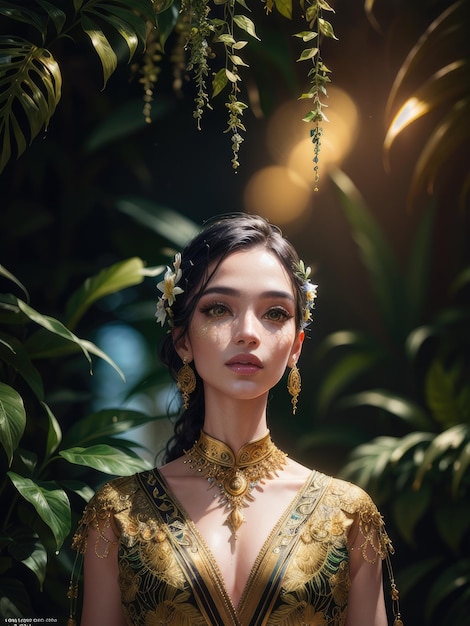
[(212, 333)]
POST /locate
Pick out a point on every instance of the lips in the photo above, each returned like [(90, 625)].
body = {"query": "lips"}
[(244, 364)]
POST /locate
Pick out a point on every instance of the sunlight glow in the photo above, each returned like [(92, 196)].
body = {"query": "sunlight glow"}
[(409, 112), (278, 193), (283, 192)]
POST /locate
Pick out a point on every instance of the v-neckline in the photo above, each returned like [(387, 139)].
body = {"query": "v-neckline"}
[(238, 610)]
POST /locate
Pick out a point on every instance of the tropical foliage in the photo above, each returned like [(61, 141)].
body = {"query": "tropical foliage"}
[(118, 30), (45, 459), (414, 383), (435, 79)]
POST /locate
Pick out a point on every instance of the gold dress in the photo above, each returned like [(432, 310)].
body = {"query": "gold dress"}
[(167, 575)]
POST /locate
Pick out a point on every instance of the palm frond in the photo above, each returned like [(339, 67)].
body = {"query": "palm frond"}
[(30, 89)]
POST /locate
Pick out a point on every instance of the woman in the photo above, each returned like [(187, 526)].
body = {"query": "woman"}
[(230, 530)]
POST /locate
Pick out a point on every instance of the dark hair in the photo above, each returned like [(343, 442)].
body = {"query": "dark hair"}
[(219, 238)]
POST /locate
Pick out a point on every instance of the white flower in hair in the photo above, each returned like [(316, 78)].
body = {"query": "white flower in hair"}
[(169, 289)]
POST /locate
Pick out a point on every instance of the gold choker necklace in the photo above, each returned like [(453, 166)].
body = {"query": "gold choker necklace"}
[(235, 474)]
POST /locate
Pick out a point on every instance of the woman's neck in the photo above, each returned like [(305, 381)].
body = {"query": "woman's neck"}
[(236, 422)]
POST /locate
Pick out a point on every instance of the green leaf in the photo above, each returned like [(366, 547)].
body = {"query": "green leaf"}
[(13, 353), (51, 504), (106, 459), (343, 372), (409, 507), (167, 223), (31, 552), (385, 275), (12, 420), (451, 580), (166, 22), (53, 326), (284, 7), (103, 48), (110, 280), (29, 91), (6, 274), (326, 29), (244, 22), (443, 444), (105, 423), (418, 266), (219, 82), (399, 406), (54, 432), (55, 14), (461, 465), (307, 54), (442, 395), (453, 523)]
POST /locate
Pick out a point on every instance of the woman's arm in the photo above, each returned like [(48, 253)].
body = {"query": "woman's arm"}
[(366, 606), (102, 596)]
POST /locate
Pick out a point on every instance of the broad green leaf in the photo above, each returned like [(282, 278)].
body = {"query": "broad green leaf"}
[(51, 504), (54, 432), (451, 134), (30, 90), (53, 326), (166, 22), (448, 29), (344, 371), (447, 583), (13, 353), (461, 465), (413, 574), (378, 258), (409, 507), (442, 395), (31, 552), (401, 407), (110, 280), (410, 442), (56, 15), (418, 266), (443, 444), (168, 223), (448, 84), (105, 423), (103, 48), (453, 523), (106, 459), (42, 345), (12, 419), (6, 274), (244, 22)]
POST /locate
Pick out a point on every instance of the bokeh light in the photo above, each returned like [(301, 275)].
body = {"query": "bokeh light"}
[(278, 193)]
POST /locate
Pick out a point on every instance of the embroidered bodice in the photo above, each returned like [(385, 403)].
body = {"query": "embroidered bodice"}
[(167, 575)]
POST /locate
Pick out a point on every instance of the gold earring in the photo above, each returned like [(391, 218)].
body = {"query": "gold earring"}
[(294, 386), (186, 381)]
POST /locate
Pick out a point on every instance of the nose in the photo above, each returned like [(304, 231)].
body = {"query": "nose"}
[(247, 329)]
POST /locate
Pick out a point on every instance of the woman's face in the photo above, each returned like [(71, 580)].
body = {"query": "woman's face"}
[(243, 331)]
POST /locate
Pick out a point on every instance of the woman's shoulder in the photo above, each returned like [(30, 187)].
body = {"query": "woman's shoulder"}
[(349, 497)]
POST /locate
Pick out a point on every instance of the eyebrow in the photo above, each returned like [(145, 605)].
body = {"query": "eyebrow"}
[(229, 291)]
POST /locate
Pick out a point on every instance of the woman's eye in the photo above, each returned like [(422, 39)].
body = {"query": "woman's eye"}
[(278, 315), (215, 310)]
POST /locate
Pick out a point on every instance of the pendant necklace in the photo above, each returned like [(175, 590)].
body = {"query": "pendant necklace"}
[(235, 474)]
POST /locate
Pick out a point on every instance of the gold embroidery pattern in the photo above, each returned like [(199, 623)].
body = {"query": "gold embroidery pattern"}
[(156, 591)]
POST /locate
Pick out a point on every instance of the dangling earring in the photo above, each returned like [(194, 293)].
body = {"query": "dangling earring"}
[(293, 386), (186, 381)]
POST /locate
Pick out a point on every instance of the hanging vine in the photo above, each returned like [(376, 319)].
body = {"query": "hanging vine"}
[(208, 41)]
